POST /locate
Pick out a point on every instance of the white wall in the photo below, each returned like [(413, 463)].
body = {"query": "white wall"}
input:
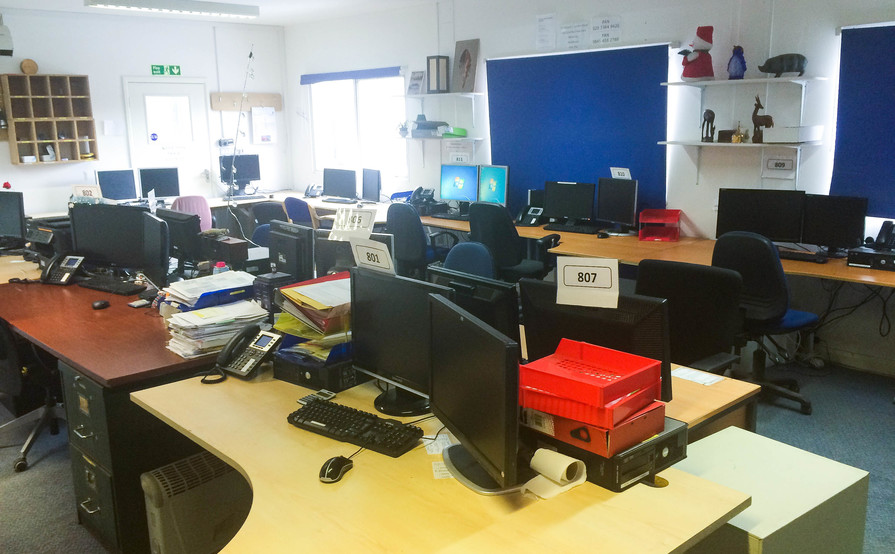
[(109, 47)]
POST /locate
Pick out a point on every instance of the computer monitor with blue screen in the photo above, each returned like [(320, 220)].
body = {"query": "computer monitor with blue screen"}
[(617, 205), (12, 219), (117, 184), (459, 183), (163, 180), (493, 183), (240, 170)]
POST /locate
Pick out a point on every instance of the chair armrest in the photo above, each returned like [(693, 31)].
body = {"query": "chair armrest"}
[(716, 363), (544, 244), (450, 241)]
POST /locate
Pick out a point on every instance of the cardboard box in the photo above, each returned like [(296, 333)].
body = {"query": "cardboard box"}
[(810, 133)]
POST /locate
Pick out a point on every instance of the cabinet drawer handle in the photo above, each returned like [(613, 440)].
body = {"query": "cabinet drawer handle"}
[(80, 435), (86, 509)]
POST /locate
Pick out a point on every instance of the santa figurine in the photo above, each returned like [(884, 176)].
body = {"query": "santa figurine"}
[(698, 62)]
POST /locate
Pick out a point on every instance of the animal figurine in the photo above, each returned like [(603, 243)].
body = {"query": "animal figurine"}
[(784, 63), (759, 121), (708, 126), (736, 67), (698, 62)]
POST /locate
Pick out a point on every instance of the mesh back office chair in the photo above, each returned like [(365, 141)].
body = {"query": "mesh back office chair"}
[(40, 382), (300, 212), (492, 225), (195, 205), (471, 257), (765, 301), (704, 315), (414, 250)]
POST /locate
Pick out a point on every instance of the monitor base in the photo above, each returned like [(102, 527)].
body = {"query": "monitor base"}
[(400, 403), (467, 470)]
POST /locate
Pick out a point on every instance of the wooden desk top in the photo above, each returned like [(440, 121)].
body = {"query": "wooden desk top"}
[(694, 403), (117, 346), (395, 505), (16, 267)]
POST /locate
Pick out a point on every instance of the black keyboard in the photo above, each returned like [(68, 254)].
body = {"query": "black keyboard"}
[(453, 216), (110, 284), (339, 200), (586, 229), (802, 256), (386, 436)]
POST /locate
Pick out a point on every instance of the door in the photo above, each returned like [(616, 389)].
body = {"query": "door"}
[(167, 123)]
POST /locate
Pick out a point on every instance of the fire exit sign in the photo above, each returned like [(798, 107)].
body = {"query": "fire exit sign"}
[(166, 70)]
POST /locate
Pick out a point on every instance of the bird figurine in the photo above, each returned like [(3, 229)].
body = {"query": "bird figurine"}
[(736, 67)]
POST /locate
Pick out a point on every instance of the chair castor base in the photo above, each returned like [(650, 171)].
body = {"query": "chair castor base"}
[(21, 464)]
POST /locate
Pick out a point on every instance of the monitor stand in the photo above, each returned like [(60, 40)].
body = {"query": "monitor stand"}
[(467, 470), (401, 403)]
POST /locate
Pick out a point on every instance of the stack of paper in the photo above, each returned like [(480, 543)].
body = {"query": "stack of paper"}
[(322, 305), (215, 289), (207, 330)]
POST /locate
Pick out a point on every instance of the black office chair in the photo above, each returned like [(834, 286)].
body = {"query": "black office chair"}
[(765, 300), (471, 257), (704, 314), (28, 379), (492, 225), (414, 250), (265, 212)]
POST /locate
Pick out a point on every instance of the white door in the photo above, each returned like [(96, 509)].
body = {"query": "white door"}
[(167, 123)]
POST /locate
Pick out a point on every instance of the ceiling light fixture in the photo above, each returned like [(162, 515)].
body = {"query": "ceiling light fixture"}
[(180, 7)]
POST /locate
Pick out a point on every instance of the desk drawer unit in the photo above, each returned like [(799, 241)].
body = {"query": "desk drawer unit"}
[(94, 496), (85, 408)]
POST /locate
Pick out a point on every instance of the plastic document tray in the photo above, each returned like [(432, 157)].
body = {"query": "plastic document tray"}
[(606, 417)]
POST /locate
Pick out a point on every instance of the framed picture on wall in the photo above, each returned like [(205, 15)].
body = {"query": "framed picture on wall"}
[(466, 58), (416, 82)]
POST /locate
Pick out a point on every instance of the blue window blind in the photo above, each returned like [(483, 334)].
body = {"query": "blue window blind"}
[(311, 78), (863, 162), (571, 117)]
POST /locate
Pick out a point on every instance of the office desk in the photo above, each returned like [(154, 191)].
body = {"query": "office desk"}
[(395, 505), (15, 266)]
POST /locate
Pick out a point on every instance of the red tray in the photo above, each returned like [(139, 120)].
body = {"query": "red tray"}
[(606, 416)]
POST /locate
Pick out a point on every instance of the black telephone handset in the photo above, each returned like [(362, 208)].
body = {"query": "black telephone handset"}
[(422, 196), (885, 240), (61, 270), (313, 191), (247, 350), (530, 216)]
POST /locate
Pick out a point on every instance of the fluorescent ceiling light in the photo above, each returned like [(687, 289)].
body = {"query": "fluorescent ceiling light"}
[(181, 7)]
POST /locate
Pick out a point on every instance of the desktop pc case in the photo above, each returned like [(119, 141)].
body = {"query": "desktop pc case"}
[(872, 259), (314, 374)]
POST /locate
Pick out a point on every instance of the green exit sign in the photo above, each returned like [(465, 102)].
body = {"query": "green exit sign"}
[(166, 70)]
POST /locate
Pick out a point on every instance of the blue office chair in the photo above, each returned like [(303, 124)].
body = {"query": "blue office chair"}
[(414, 250), (299, 212), (261, 235), (765, 301), (471, 257)]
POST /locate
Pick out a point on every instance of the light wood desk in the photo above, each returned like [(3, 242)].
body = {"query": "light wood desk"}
[(15, 266), (395, 505)]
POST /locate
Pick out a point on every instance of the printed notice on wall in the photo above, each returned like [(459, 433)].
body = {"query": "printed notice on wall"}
[(264, 125), (605, 30), (573, 36), (545, 37), (587, 282)]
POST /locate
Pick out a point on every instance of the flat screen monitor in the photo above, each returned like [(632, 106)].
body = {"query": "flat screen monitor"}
[(776, 214), (834, 222), (494, 302), (291, 249), (475, 395), (340, 182), (639, 325), (371, 185), (390, 337), (617, 204), (12, 218), (569, 201), (183, 230), (163, 180), (459, 183), (493, 183), (117, 184), (240, 170), (156, 250), (108, 235), (335, 256)]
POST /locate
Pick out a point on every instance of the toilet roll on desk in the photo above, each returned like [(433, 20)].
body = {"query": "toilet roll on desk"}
[(557, 473)]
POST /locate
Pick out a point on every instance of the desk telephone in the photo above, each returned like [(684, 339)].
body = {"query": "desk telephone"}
[(422, 196), (885, 240), (247, 350), (530, 216), (61, 270), (313, 191)]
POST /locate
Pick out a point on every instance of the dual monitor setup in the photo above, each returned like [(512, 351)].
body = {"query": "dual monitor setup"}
[(833, 223), (611, 204), (459, 329), (129, 184), (474, 183), (342, 183)]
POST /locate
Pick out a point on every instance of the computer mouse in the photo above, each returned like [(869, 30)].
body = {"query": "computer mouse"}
[(602, 235), (100, 304), (334, 468)]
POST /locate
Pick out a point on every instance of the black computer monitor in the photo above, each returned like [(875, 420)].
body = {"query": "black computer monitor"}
[(494, 302), (291, 249), (493, 180), (184, 232), (117, 184), (108, 235), (639, 325), (390, 337), (156, 250), (239, 170), (163, 180), (475, 395), (835, 223), (776, 214), (12, 219), (334, 256), (568, 201), (340, 182), (617, 204), (371, 185), (459, 183)]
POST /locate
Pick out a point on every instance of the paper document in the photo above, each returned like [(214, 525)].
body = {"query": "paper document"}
[(696, 376), (190, 290)]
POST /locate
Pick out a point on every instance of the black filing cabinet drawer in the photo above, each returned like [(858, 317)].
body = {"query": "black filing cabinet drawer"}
[(85, 407), (94, 496)]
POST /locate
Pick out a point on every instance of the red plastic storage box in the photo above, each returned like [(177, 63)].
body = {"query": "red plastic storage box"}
[(660, 225)]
